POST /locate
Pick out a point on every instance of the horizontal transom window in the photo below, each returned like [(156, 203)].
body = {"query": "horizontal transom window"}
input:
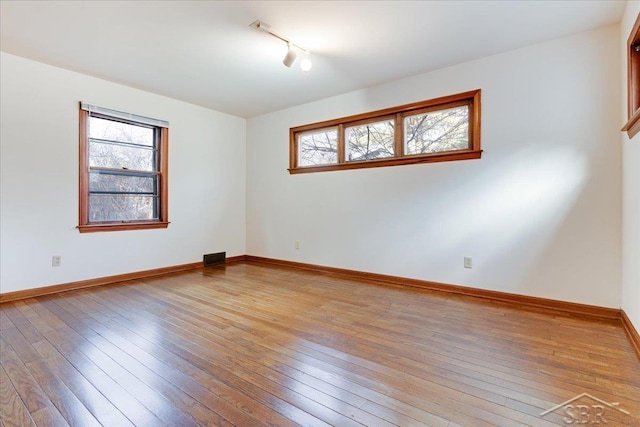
[(442, 129)]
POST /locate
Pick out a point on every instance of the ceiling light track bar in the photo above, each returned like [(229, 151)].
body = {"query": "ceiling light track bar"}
[(265, 28), (291, 56)]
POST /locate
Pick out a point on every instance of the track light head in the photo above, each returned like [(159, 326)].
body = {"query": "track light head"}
[(290, 57)]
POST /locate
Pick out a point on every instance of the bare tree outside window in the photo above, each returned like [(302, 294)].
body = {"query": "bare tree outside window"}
[(122, 180), (319, 148), (437, 131), (370, 141)]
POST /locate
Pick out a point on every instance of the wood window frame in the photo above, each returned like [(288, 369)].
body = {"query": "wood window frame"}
[(471, 98), (632, 127), (85, 226)]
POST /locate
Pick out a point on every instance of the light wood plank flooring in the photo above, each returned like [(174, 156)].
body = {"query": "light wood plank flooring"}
[(254, 345)]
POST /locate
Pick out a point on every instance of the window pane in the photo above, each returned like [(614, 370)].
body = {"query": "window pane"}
[(436, 131), (116, 156), (319, 148), (120, 207), (370, 141), (118, 131), (119, 183)]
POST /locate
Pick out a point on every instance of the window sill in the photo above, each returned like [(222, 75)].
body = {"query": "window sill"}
[(408, 160), (121, 226), (633, 125)]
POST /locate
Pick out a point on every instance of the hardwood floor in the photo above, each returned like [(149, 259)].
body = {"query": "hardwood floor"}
[(252, 345)]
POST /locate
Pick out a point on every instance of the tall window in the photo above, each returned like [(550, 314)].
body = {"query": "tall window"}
[(436, 130), (123, 171)]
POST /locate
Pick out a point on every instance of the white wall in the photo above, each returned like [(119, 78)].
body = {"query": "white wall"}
[(39, 180), (631, 188), (540, 213)]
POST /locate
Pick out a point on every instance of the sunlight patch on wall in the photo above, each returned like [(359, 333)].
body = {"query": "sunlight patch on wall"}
[(519, 205)]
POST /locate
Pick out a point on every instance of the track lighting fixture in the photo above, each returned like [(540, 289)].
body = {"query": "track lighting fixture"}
[(292, 49)]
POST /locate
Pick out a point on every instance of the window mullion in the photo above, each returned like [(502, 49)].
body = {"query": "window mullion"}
[(398, 134), (122, 144), (126, 172), (341, 146)]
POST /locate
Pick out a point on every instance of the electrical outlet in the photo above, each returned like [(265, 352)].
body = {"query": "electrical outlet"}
[(297, 245), (468, 262), (56, 261)]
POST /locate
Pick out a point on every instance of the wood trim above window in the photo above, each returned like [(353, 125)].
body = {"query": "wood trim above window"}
[(632, 127), (470, 99)]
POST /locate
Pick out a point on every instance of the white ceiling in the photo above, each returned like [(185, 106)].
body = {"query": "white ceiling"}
[(204, 52)]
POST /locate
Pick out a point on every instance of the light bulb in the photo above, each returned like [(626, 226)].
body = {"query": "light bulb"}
[(305, 64)]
